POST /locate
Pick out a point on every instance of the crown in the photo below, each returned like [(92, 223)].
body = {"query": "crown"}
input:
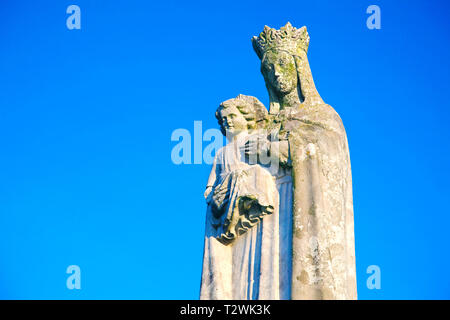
[(288, 39)]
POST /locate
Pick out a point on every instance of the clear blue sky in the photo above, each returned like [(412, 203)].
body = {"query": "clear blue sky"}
[(86, 117)]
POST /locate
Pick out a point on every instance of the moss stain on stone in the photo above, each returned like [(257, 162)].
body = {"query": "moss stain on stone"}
[(312, 209), (303, 277)]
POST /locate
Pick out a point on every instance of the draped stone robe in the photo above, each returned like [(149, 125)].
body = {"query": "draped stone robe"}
[(323, 245)]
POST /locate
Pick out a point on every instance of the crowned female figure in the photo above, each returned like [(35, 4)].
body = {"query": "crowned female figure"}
[(323, 246)]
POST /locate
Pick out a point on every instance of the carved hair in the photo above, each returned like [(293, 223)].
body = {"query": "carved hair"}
[(250, 107)]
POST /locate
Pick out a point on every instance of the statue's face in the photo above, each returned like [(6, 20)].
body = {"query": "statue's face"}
[(279, 69), (232, 120)]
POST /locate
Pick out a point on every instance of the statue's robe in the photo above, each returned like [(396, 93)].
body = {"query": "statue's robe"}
[(323, 250)]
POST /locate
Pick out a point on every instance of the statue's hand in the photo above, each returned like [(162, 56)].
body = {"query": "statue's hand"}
[(256, 147)]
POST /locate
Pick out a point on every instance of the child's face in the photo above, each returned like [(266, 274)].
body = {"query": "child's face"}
[(232, 120)]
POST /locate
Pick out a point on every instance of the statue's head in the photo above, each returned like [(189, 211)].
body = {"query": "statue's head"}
[(279, 51), (240, 114)]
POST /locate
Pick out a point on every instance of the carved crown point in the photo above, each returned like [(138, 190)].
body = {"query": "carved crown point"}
[(287, 38)]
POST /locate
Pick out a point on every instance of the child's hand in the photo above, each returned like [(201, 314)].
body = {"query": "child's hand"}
[(256, 146)]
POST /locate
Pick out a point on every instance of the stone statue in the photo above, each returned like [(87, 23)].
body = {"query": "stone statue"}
[(285, 231)]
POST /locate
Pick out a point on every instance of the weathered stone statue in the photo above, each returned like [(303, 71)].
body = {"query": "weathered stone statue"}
[(284, 231)]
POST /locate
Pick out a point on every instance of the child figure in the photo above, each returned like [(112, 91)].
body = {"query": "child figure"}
[(239, 192)]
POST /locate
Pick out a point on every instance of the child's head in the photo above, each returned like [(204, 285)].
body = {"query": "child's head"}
[(240, 114)]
